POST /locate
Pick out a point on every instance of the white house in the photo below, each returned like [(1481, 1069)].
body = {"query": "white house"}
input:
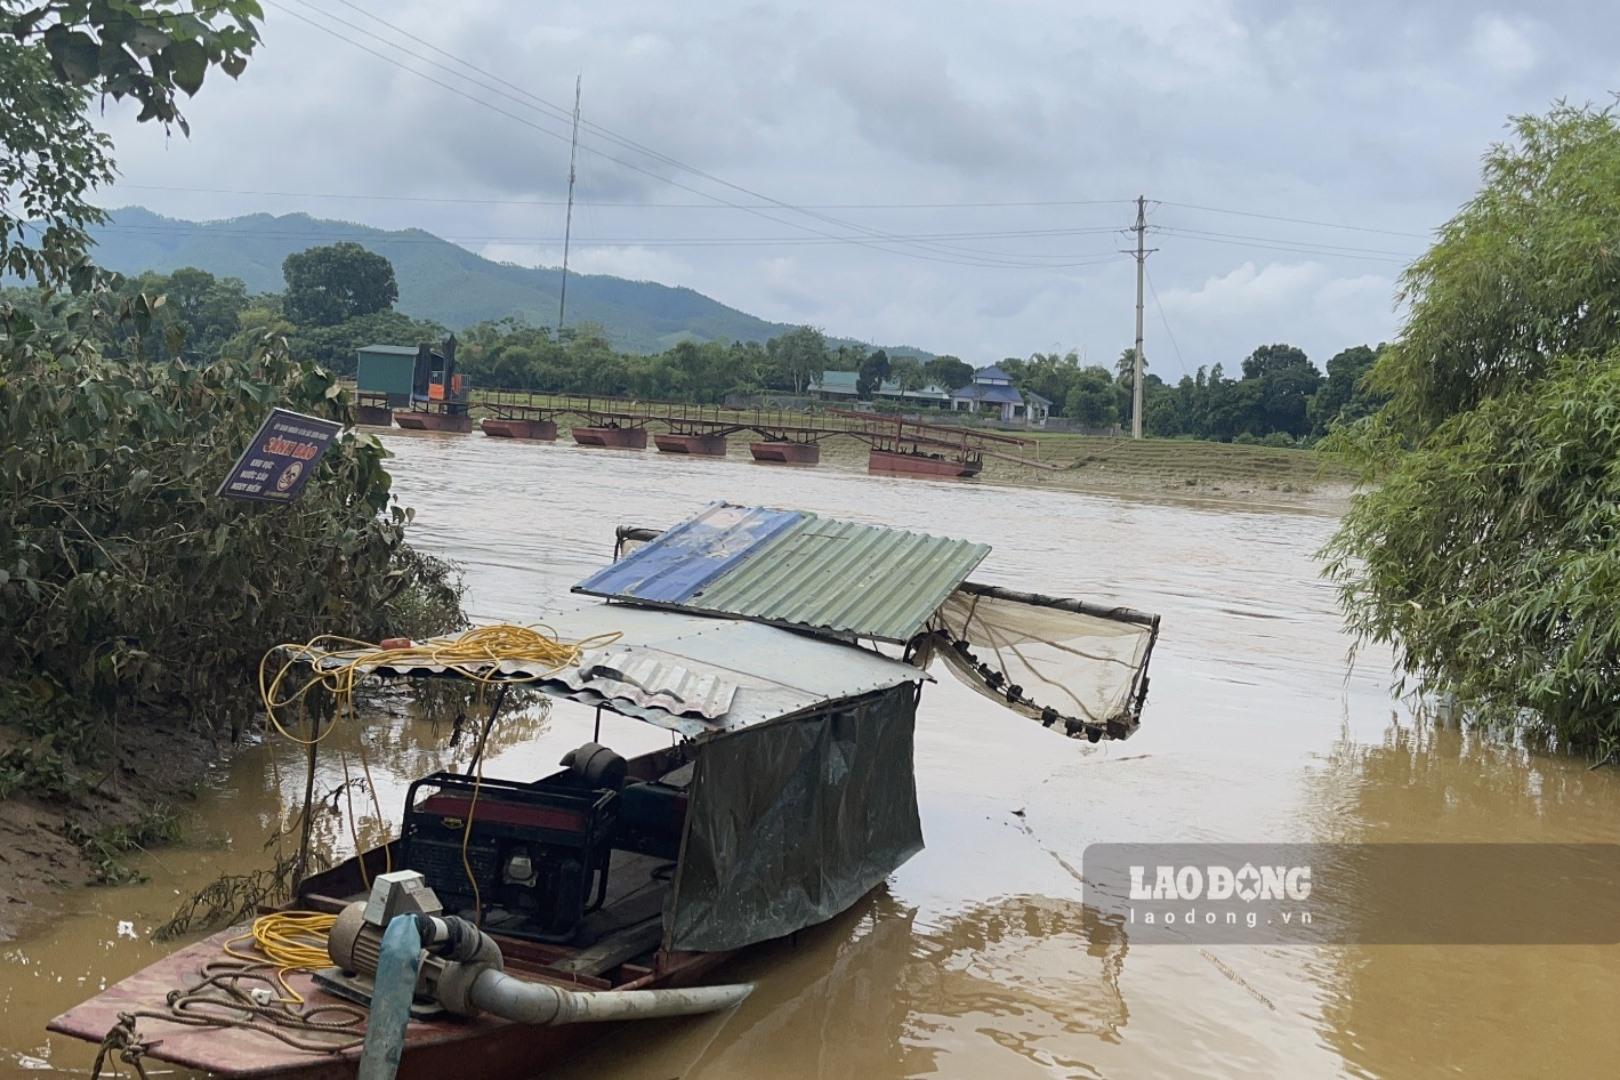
[(992, 391), (841, 386)]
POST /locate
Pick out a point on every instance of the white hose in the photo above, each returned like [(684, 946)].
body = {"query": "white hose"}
[(541, 1003)]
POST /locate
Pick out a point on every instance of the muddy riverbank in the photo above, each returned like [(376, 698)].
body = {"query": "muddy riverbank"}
[(137, 794), (979, 957)]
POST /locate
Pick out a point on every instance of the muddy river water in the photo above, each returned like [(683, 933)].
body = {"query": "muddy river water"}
[(977, 958)]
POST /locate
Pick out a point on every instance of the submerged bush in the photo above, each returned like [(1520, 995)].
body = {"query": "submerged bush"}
[(127, 587)]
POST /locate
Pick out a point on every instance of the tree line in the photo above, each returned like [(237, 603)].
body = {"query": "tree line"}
[(133, 601), (341, 297)]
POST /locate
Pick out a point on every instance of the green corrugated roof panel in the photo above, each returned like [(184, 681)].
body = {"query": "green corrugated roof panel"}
[(795, 569), (847, 578)]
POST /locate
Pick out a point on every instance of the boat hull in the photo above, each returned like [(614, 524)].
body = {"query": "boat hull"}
[(519, 429), (614, 438), (704, 445), (412, 420), (374, 415), (786, 453), (482, 1046), (889, 462)]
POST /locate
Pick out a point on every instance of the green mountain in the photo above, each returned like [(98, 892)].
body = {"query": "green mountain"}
[(437, 279)]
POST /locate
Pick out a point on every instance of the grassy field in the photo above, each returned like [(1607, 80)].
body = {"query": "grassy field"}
[(1173, 468)]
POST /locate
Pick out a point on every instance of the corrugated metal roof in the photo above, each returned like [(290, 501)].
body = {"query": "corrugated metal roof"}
[(762, 672), (793, 568), (639, 675)]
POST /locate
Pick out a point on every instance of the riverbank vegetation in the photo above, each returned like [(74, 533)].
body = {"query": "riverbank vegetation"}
[(134, 603), (340, 298), (1488, 553)]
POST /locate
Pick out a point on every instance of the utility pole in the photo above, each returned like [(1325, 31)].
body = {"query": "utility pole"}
[(568, 221), (1141, 253)]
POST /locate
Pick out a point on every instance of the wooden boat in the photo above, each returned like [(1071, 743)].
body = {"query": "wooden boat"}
[(627, 876), (614, 951)]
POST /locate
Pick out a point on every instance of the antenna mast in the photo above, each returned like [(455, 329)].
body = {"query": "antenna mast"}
[(568, 221)]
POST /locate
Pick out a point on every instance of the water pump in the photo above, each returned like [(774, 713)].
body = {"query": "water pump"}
[(462, 970)]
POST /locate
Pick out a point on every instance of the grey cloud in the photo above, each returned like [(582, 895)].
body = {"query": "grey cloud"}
[(1371, 114)]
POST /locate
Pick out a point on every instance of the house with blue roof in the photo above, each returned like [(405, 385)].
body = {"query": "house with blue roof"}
[(992, 392)]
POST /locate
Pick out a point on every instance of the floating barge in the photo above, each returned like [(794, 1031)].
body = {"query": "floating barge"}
[(918, 463), (786, 654), (372, 409), (616, 438), (450, 416), (545, 430), (703, 445), (509, 421), (786, 452)]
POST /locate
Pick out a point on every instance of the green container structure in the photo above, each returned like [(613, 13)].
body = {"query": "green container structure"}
[(387, 369)]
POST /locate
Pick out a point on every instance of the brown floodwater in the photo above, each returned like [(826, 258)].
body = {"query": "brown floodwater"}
[(978, 958)]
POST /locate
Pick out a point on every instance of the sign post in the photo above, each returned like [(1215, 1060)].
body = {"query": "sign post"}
[(281, 458)]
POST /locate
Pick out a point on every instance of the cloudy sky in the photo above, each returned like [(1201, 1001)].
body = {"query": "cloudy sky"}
[(951, 175)]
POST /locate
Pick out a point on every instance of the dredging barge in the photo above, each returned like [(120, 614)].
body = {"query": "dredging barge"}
[(786, 653)]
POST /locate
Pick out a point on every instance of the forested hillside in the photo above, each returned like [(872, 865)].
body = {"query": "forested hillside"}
[(438, 281)]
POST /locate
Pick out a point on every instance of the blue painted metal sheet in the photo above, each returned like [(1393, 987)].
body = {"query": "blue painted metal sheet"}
[(678, 564)]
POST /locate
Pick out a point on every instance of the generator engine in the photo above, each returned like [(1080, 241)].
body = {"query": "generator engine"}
[(533, 861)]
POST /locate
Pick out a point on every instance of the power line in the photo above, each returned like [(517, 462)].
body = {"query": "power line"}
[(620, 204), (1167, 331), (223, 230), (878, 240), (632, 144), (1179, 230), (619, 161), (618, 139), (998, 234), (1292, 248), (1294, 220)]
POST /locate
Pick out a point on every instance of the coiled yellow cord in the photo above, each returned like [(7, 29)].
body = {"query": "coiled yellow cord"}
[(475, 655), (292, 940)]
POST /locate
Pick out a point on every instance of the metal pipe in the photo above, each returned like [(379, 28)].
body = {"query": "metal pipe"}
[(541, 1003)]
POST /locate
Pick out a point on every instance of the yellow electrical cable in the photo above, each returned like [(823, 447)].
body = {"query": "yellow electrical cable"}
[(292, 940), (476, 655), (466, 836)]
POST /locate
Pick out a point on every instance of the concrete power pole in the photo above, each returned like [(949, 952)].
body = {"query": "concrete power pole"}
[(568, 221), (1141, 253)]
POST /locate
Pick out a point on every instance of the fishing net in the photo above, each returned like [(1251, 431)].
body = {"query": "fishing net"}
[(1075, 667)]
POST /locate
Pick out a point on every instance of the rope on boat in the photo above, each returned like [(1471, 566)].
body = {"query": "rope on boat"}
[(221, 1000)]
